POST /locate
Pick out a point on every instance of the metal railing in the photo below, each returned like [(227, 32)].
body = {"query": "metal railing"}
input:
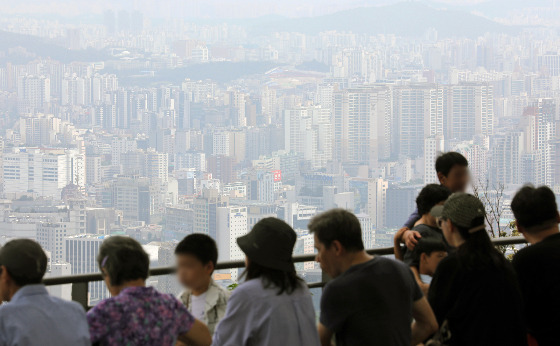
[(80, 282)]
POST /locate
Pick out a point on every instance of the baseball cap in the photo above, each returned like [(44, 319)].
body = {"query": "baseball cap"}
[(24, 259), (464, 210), (270, 244)]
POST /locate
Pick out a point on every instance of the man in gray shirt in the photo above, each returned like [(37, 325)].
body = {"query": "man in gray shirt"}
[(32, 316), (371, 300)]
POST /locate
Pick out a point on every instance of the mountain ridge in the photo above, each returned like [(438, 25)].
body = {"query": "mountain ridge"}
[(402, 19)]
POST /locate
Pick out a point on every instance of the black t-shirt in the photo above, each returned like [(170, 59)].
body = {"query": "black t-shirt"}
[(412, 258), (483, 305), (371, 304), (538, 272)]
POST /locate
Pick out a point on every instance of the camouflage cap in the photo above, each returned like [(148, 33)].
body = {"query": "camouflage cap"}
[(463, 210)]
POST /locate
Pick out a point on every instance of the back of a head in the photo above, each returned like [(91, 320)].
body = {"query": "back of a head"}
[(200, 246), (25, 261), (446, 161), (428, 245), (340, 225), (430, 196), (123, 260), (535, 209)]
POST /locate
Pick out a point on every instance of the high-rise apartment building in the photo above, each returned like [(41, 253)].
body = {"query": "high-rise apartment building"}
[(506, 158), (470, 111), (81, 252), (206, 211), (34, 93), (417, 114), (44, 172), (433, 146), (377, 201), (361, 121)]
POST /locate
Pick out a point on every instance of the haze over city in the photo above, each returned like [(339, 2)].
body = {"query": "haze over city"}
[(156, 120)]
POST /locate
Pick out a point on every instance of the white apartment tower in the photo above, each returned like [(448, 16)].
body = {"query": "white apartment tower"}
[(433, 146)]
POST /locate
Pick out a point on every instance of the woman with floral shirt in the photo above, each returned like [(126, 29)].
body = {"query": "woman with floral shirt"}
[(136, 314)]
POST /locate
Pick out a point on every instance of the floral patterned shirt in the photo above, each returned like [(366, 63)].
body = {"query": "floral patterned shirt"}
[(139, 316)]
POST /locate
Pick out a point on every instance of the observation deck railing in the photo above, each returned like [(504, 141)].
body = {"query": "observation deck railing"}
[(80, 282)]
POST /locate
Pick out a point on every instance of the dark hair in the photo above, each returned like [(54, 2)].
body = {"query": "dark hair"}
[(446, 161), (25, 261), (200, 246), (430, 196), (285, 281), (428, 245), (338, 224), (477, 250), (123, 259), (535, 209)]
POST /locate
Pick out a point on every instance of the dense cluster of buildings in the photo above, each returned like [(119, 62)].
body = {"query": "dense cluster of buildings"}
[(85, 156)]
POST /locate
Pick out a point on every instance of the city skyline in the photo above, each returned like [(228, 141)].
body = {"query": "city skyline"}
[(142, 121)]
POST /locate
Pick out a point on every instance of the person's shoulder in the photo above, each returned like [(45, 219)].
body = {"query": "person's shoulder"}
[(167, 298), (424, 229), (222, 291), (448, 264), (68, 305), (104, 305), (6, 310), (357, 274), (253, 287), (531, 254)]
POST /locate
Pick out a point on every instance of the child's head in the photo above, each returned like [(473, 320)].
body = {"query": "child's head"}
[(430, 196), (431, 251), (196, 257), (453, 171)]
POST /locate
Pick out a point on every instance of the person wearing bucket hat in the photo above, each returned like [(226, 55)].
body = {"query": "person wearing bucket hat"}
[(273, 306), (474, 292), (32, 316)]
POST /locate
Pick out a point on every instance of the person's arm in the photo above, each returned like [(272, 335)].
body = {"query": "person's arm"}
[(198, 335), (325, 335), (397, 243), (425, 323), (412, 219), (410, 238)]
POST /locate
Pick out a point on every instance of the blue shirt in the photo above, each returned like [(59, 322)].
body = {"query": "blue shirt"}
[(412, 219), (33, 317), (259, 316)]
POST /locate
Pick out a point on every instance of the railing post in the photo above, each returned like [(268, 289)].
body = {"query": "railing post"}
[(80, 293)]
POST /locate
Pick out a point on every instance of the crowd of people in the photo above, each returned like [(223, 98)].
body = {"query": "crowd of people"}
[(448, 284)]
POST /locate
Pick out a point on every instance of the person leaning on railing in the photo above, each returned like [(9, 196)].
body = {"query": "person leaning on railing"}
[(430, 196), (452, 170), (474, 292), (273, 307), (538, 265), (136, 314), (371, 300), (33, 317)]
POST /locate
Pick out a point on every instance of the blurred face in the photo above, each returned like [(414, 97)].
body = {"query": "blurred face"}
[(457, 180), (450, 233), (429, 263), (327, 257), (192, 273)]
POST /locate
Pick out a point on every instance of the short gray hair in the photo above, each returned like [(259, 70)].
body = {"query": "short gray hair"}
[(123, 259)]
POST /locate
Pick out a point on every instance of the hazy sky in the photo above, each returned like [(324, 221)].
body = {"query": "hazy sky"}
[(200, 8)]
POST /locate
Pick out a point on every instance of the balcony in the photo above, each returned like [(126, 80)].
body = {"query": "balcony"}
[(80, 282)]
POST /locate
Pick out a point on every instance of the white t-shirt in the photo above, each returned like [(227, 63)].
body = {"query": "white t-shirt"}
[(198, 306)]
